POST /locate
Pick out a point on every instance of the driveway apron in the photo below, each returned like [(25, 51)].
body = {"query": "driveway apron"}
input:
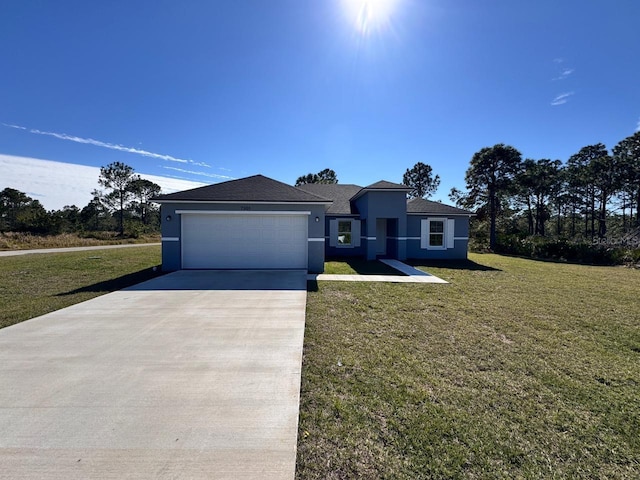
[(195, 374)]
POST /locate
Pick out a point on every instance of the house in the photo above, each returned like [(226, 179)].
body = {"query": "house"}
[(258, 222)]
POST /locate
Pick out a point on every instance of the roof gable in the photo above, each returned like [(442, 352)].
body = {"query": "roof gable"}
[(423, 206), (384, 185), (257, 188)]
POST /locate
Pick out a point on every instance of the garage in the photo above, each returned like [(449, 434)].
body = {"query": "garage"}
[(244, 240)]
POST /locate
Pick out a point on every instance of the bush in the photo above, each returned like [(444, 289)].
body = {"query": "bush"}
[(567, 251)]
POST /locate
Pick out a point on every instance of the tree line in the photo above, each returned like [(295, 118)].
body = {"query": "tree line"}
[(592, 198), (123, 206)]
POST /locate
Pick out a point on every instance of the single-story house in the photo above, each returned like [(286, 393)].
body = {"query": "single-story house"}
[(257, 222)]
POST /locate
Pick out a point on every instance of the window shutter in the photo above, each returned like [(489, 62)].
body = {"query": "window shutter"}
[(355, 233), (424, 233), (451, 228), (333, 232)]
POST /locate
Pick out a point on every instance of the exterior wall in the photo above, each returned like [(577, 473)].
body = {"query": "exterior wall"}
[(461, 239), (344, 251), (171, 228), (390, 205)]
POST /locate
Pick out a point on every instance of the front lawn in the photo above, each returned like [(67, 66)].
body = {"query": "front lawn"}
[(35, 284), (516, 369)]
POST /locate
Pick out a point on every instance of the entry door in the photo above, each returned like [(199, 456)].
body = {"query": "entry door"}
[(381, 236)]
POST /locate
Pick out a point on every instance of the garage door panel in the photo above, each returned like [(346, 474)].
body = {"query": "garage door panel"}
[(244, 241)]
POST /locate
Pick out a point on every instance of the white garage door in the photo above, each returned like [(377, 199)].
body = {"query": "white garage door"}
[(244, 241)]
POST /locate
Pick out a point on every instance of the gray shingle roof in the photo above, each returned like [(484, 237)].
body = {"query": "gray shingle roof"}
[(257, 188), (384, 185), (339, 193), (420, 205)]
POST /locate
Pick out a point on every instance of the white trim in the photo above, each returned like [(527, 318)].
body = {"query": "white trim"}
[(369, 238), (425, 214), (170, 239), (425, 231), (315, 239), (240, 212), (237, 202), (461, 238)]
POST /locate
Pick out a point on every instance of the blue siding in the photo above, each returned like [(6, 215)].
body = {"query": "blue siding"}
[(413, 239), (171, 229)]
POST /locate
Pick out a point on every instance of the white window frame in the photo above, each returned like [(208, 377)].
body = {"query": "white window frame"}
[(334, 233), (447, 233)]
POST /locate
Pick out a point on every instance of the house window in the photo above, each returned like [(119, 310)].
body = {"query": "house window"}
[(344, 232), (436, 233)]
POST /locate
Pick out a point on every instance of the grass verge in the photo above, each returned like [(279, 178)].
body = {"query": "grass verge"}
[(32, 285), (516, 369)]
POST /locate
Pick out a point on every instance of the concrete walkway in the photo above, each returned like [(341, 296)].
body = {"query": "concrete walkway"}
[(195, 374), (13, 253), (409, 275)]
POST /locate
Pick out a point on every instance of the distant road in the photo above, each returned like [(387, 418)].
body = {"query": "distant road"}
[(12, 253)]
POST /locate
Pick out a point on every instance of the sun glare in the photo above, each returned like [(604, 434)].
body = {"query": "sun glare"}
[(370, 15)]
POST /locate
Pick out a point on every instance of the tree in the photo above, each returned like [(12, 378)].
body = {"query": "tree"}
[(92, 215), (490, 178), (421, 180), (627, 155), (19, 212), (117, 177), (326, 176), (582, 181), (143, 190), (537, 182)]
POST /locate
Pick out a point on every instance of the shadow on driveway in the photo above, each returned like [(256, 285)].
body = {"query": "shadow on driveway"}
[(226, 280)]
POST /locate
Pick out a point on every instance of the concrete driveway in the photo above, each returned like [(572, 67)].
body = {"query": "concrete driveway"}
[(195, 374)]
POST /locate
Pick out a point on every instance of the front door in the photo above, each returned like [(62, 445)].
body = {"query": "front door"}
[(381, 236)]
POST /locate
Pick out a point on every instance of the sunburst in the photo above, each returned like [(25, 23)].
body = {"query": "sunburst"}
[(370, 15)]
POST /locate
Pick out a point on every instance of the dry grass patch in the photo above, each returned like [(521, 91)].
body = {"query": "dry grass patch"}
[(523, 369), (27, 241)]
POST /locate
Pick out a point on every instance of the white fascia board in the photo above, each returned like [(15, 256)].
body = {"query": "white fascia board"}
[(242, 212), (237, 202), (443, 214)]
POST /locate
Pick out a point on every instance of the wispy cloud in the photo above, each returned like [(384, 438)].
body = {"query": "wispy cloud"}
[(111, 146), (562, 98), (565, 74), (202, 174)]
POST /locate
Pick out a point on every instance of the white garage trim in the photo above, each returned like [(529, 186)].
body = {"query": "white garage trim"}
[(244, 240), (242, 212)]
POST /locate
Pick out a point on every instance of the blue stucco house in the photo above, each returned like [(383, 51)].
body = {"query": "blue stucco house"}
[(257, 222)]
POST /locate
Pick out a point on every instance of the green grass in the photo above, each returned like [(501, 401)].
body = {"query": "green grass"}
[(35, 284), (516, 369)]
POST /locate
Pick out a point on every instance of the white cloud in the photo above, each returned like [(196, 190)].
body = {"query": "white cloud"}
[(565, 73), (56, 184), (202, 174), (112, 146), (562, 98)]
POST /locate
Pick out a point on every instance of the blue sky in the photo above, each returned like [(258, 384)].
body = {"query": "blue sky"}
[(210, 90)]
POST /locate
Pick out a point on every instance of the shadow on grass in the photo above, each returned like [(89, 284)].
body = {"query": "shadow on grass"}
[(118, 283), (312, 286), (365, 267), (460, 264)]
